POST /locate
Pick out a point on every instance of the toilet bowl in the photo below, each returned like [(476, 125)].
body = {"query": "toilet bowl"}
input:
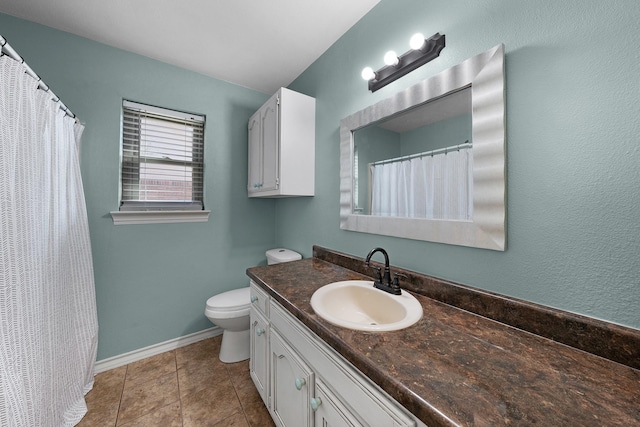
[(230, 311)]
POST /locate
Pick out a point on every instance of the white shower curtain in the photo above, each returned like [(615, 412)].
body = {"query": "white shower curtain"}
[(48, 321), (434, 187)]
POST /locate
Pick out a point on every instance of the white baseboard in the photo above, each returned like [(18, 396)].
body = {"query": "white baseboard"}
[(152, 350)]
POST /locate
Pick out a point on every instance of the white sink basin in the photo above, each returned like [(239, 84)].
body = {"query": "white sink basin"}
[(356, 304)]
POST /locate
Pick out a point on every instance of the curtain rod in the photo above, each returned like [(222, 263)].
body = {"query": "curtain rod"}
[(6, 49), (445, 150)]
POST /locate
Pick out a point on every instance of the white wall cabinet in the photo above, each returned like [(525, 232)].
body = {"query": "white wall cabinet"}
[(310, 384), (282, 146)]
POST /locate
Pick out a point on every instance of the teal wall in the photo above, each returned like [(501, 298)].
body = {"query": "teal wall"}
[(152, 281), (442, 134), (573, 152)]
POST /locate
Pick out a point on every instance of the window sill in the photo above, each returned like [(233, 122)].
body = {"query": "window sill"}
[(158, 217)]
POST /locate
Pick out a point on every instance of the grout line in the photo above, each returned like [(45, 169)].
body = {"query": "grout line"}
[(124, 380), (175, 360), (235, 390)]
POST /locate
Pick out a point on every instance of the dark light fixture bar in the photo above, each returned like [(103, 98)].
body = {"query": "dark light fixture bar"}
[(398, 66)]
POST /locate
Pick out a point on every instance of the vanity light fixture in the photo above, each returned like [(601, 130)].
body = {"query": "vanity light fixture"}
[(422, 51)]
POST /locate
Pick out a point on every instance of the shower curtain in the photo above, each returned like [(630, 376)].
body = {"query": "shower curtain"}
[(48, 321), (435, 187)]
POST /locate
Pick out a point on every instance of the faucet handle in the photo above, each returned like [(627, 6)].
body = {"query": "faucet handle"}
[(396, 279)]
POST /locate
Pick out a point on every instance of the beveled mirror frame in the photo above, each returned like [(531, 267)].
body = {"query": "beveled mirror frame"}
[(487, 229)]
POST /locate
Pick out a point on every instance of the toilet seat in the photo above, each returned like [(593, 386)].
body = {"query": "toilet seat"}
[(237, 300)]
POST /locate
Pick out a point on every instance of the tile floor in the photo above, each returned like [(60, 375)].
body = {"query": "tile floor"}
[(187, 387)]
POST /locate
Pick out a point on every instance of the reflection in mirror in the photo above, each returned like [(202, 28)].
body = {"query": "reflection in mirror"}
[(417, 148), (454, 117)]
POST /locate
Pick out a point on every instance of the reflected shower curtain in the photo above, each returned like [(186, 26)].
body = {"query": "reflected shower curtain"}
[(48, 321), (434, 187)]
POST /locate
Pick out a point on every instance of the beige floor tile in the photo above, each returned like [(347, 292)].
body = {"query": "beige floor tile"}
[(143, 398), (103, 400), (194, 377), (255, 411), (237, 420), (167, 416), (96, 419), (245, 389), (188, 387), (151, 368), (238, 371), (200, 352), (111, 378), (210, 406), (254, 408)]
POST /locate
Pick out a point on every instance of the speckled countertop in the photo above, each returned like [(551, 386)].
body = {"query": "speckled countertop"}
[(457, 368)]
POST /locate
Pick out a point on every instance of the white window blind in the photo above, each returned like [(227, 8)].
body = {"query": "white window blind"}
[(162, 159)]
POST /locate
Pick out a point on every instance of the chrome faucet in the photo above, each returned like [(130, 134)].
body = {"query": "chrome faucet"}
[(384, 282)]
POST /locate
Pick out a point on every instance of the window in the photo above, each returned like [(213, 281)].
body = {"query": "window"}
[(162, 171), (162, 159)]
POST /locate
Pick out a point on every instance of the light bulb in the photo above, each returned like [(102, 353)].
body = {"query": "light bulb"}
[(368, 73), (390, 58), (417, 41)]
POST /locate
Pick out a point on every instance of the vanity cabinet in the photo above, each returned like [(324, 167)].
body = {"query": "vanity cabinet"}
[(282, 146), (310, 384), (259, 342), (291, 385)]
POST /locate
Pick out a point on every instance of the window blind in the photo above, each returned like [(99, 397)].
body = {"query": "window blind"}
[(162, 159)]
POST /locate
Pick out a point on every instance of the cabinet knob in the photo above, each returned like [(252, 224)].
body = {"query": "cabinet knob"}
[(300, 382), (315, 403), (259, 331), (254, 298)]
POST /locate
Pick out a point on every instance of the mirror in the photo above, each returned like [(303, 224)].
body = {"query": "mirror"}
[(465, 107), (431, 129)]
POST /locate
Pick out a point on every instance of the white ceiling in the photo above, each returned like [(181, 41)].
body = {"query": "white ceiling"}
[(259, 44)]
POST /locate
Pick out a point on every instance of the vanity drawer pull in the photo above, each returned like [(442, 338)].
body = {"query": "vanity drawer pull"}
[(300, 382), (315, 403), (254, 298), (259, 331)]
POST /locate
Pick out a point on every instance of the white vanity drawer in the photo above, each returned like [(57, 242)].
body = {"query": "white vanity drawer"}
[(259, 299)]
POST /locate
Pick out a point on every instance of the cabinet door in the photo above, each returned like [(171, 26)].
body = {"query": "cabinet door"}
[(255, 152), (328, 410), (270, 145), (291, 385), (259, 354)]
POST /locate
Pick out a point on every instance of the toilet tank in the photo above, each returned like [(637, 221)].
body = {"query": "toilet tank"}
[(278, 255)]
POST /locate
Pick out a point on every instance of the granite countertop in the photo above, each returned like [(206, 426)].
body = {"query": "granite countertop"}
[(457, 368)]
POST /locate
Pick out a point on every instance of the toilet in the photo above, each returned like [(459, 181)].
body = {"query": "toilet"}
[(230, 311)]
